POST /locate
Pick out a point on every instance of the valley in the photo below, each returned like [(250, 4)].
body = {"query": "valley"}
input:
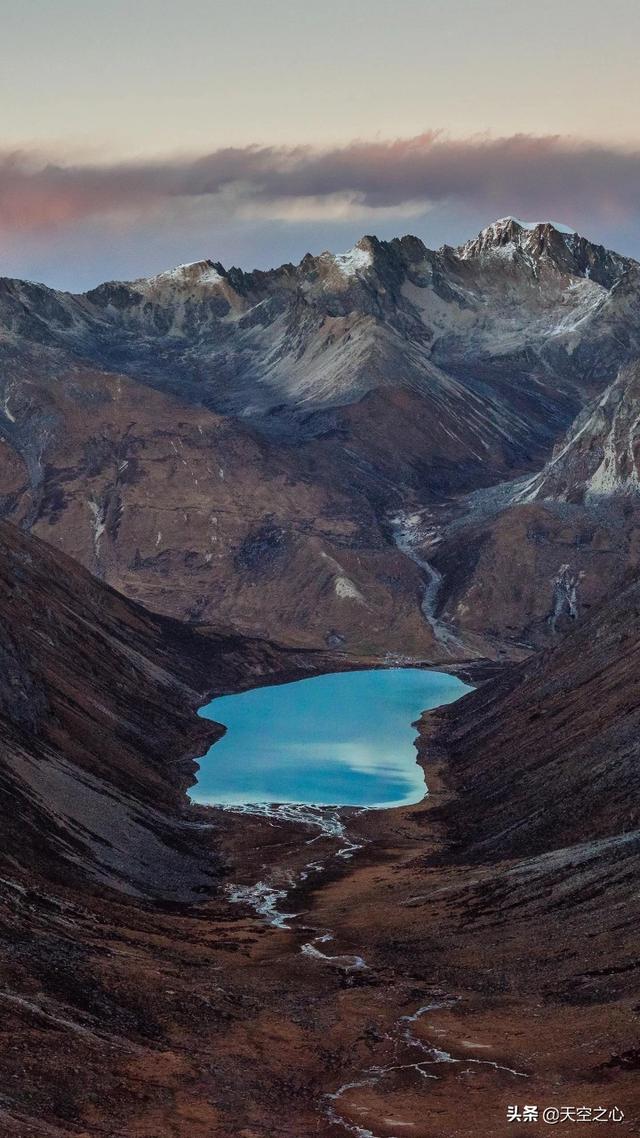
[(213, 482), (291, 970)]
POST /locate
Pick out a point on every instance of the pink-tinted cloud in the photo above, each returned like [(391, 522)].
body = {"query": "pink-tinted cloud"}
[(544, 176)]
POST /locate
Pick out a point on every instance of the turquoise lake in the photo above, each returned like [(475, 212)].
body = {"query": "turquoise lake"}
[(343, 739)]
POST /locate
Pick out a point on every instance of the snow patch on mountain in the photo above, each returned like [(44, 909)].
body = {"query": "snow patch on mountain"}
[(98, 523), (530, 225), (583, 299), (191, 273), (344, 588), (352, 262), (508, 235)]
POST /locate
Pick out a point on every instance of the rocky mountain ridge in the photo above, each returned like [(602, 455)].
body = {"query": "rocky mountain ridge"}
[(321, 334), (212, 441)]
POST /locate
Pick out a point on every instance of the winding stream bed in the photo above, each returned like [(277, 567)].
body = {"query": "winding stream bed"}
[(317, 753)]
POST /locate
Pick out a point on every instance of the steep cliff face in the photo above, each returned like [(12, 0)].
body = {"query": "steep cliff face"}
[(598, 458)]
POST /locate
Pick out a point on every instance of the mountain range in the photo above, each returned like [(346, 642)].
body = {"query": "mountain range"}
[(286, 450)]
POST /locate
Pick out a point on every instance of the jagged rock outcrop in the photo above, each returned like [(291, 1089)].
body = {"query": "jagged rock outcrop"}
[(275, 346), (598, 458)]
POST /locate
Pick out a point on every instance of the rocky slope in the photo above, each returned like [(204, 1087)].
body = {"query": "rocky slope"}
[(97, 725), (598, 459), (198, 517), (231, 445), (545, 757), (525, 558)]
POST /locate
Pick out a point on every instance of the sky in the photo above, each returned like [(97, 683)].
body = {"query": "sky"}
[(136, 136)]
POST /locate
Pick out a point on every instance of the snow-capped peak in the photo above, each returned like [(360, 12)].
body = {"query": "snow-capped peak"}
[(531, 225), (191, 273), (529, 244), (508, 234), (353, 261)]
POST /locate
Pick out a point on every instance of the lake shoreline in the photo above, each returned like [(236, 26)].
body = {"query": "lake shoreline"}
[(341, 739), (318, 662)]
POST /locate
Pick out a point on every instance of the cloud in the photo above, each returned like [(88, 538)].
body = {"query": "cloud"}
[(549, 176)]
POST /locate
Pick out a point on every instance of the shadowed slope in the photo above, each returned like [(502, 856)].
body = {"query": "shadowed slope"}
[(97, 725), (548, 755)]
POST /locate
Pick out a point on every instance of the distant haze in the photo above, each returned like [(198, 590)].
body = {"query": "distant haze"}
[(149, 134)]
